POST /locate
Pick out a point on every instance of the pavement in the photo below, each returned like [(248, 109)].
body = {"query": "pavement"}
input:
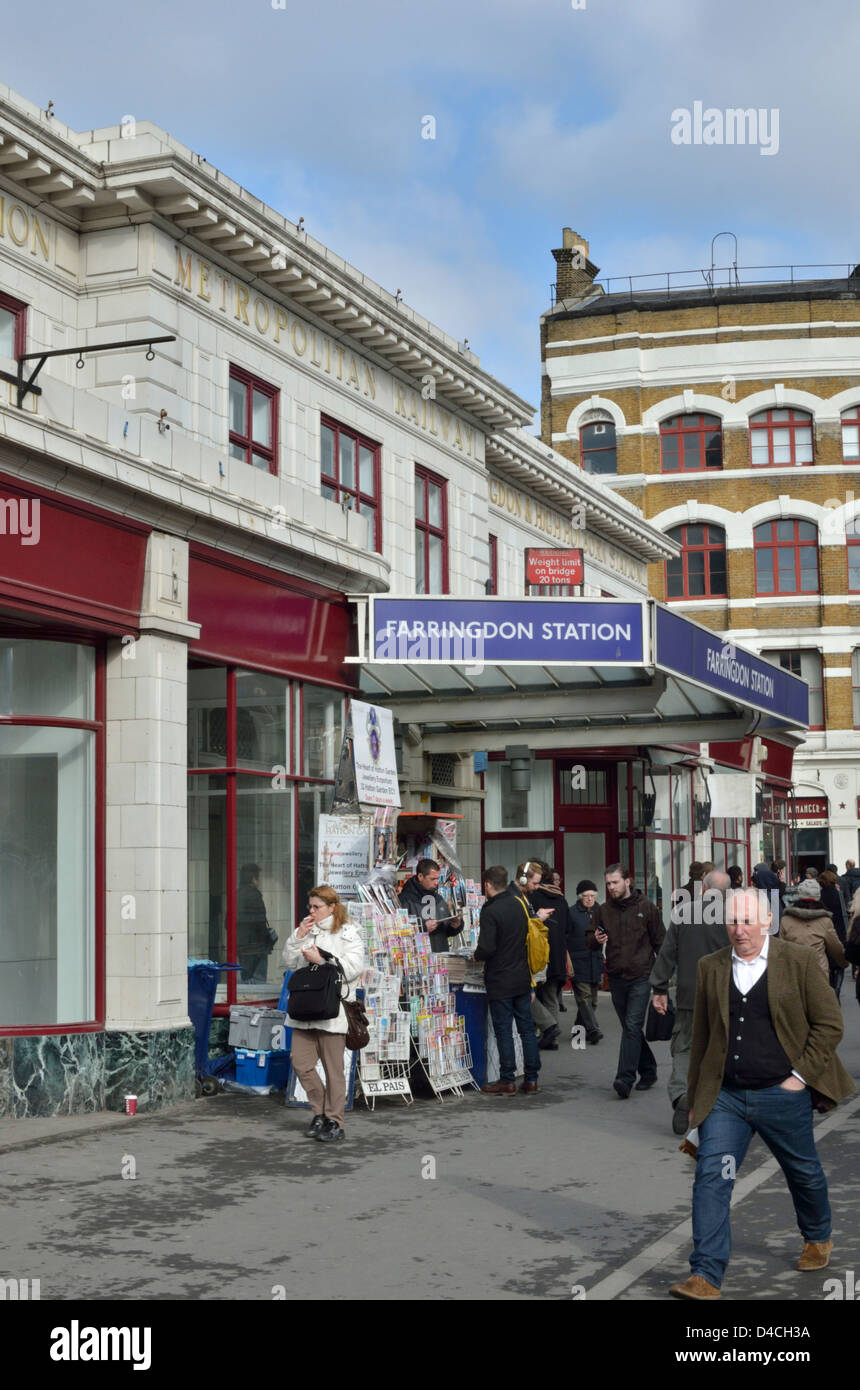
[(568, 1194)]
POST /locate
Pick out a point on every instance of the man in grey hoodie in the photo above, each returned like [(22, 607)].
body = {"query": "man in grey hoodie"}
[(697, 928)]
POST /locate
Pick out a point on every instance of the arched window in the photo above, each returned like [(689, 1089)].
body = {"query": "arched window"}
[(700, 570), (597, 446), (786, 557), (852, 538), (851, 435), (780, 437), (690, 443)]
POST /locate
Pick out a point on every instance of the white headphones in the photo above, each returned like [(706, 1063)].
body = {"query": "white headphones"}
[(523, 879)]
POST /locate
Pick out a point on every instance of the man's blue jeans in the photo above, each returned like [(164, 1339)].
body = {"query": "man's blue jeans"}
[(784, 1121), (504, 1013), (630, 998)]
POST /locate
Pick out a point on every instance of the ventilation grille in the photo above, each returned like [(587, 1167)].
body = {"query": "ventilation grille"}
[(442, 767)]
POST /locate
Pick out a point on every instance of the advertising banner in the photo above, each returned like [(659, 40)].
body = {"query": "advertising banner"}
[(373, 755), (343, 852)]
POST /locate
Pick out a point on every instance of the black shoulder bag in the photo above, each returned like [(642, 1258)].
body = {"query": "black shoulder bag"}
[(315, 992)]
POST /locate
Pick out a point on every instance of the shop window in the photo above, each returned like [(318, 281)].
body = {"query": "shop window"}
[(506, 809), (700, 570), (431, 533), (786, 557), (253, 420), (780, 437), (691, 443), (855, 685), (597, 450), (49, 805), (493, 576), (350, 474), (852, 539), (729, 843), (13, 326), (263, 751), (593, 793), (806, 665), (774, 827), (851, 435)]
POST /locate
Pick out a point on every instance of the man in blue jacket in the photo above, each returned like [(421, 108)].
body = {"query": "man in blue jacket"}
[(508, 982)]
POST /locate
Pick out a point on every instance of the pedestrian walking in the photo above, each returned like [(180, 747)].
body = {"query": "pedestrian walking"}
[(502, 947), (326, 934), (807, 923), (736, 876), (527, 879), (631, 928), (765, 1031), (691, 935), (550, 904), (587, 965)]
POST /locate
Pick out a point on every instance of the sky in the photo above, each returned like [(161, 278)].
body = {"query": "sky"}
[(547, 113)]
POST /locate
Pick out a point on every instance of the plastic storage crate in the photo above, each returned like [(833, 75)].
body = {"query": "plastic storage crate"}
[(252, 1026), (260, 1068)]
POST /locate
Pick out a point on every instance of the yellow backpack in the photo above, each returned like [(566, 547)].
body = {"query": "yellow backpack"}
[(537, 942)]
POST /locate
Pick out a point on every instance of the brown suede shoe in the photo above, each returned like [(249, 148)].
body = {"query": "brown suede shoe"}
[(694, 1287), (499, 1088), (815, 1256), (529, 1088)]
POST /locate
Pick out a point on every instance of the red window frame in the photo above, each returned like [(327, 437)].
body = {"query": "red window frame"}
[(706, 547), (797, 419), (97, 726), (343, 490), (790, 660), (855, 687), (851, 416), (246, 441), (18, 309), (696, 425), (231, 770), (493, 578), (424, 476), (589, 450), (732, 833), (797, 543)]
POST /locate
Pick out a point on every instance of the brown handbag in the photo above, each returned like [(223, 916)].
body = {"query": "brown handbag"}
[(357, 1032)]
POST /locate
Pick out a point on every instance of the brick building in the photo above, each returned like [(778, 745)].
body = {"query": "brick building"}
[(730, 413)]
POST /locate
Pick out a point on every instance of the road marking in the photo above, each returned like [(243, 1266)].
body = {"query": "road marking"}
[(682, 1234)]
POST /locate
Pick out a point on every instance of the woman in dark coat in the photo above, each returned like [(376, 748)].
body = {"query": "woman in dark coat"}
[(545, 1009), (831, 899)]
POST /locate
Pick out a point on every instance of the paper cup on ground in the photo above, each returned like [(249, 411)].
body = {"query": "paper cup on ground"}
[(131, 1105)]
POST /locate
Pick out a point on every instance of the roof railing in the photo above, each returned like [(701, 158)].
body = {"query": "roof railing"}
[(714, 278)]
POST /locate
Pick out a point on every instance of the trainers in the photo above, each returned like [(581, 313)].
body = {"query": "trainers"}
[(815, 1254), (330, 1132), (315, 1126), (695, 1287)]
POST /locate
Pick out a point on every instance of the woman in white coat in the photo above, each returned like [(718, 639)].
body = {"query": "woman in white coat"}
[(325, 933)]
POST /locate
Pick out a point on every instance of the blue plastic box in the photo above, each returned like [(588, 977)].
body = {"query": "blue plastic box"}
[(262, 1068)]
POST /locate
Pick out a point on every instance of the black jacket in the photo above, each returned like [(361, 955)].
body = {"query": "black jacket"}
[(547, 896), (831, 899), (502, 946), (635, 930), (423, 905), (587, 965)]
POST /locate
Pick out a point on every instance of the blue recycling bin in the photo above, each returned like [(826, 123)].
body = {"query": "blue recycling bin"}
[(202, 985)]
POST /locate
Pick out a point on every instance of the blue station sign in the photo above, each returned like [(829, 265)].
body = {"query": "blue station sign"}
[(688, 650), (536, 631)]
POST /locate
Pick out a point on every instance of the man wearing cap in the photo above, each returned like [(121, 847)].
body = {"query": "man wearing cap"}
[(587, 965), (765, 1029), (807, 923)]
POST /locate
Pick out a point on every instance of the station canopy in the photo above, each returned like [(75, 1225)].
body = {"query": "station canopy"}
[(597, 672)]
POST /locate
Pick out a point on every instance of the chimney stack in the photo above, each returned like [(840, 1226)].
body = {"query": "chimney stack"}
[(574, 271)]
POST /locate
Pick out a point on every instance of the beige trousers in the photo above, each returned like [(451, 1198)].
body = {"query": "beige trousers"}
[(309, 1046)]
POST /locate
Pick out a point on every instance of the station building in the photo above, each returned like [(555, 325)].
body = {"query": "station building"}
[(220, 446), (726, 405)]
